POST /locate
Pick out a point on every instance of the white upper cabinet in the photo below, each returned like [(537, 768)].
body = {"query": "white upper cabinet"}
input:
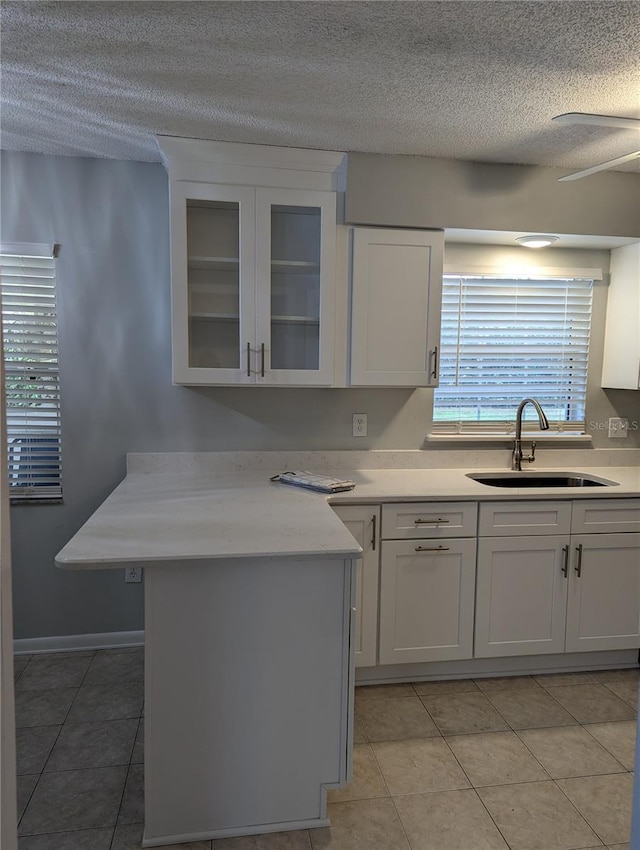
[(253, 234), (395, 307), (621, 363)]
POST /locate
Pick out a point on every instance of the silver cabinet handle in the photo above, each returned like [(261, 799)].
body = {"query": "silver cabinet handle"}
[(433, 357), (262, 356), (428, 521), (248, 360), (565, 561), (578, 566), (431, 548), (373, 533)]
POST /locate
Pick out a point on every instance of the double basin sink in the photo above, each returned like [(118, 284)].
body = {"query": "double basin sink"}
[(540, 479)]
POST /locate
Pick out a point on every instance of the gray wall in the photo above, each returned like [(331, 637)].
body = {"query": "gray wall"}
[(420, 191), (111, 220)]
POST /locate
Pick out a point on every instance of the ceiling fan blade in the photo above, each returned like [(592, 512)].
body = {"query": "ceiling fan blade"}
[(598, 120), (603, 166)]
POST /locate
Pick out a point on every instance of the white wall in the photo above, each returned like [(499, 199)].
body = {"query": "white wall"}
[(420, 191), (111, 220)]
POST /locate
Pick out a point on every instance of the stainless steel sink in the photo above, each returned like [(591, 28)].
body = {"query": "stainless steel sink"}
[(540, 479)]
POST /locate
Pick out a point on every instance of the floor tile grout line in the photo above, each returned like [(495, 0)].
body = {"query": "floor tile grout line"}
[(585, 727), (630, 704), (504, 719), (586, 684), (66, 717), (493, 820), (402, 826), (378, 765), (592, 828), (517, 731)]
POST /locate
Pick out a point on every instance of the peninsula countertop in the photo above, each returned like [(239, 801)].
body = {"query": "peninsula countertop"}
[(172, 517)]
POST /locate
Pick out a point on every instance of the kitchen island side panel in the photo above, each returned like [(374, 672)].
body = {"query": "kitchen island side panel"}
[(247, 694)]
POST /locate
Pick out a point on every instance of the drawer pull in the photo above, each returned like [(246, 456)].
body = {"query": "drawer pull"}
[(432, 548), (565, 562), (435, 521), (578, 566)]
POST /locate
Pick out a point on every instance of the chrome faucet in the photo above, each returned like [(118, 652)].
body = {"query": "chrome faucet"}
[(517, 457)]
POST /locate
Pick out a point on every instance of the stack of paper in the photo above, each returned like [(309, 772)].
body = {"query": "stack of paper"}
[(311, 481)]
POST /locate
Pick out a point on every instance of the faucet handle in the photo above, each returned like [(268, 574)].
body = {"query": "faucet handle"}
[(532, 456)]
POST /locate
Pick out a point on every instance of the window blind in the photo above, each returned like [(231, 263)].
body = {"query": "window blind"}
[(32, 389), (503, 339)]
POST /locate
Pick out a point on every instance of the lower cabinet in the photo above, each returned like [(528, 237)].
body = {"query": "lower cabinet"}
[(544, 594), (426, 600), (538, 586), (364, 524)]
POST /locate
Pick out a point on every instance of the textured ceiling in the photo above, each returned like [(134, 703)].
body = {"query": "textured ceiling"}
[(467, 80)]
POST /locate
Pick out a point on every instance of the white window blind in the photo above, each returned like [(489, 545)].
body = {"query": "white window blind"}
[(504, 339), (30, 343)]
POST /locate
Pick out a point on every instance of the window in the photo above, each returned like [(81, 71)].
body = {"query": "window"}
[(30, 340), (504, 339)]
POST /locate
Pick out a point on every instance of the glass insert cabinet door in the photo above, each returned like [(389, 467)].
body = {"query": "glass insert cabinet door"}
[(295, 268), (213, 283), (253, 279)]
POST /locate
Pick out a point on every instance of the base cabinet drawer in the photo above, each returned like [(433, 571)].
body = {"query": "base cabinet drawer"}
[(426, 600), (429, 519), (498, 519), (605, 516)]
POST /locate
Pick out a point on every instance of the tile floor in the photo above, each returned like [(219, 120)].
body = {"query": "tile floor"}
[(521, 763)]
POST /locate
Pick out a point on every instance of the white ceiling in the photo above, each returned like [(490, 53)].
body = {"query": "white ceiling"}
[(466, 80)]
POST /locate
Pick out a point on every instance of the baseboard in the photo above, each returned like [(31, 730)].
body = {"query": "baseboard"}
[(522, 665), (71, 643), (232, 832)]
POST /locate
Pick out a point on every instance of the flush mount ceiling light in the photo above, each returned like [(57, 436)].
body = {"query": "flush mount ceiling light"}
[(537, 241)]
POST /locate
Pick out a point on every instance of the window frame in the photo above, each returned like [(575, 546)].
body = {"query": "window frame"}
[(504, 429), (30, 335)]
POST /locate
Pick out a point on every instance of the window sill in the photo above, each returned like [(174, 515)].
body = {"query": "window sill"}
[(527, 436)]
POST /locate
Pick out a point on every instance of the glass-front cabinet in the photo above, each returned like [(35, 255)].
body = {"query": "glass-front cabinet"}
[(253, 284)]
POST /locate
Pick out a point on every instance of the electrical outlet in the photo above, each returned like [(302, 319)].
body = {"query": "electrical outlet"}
[(133, 575), (618, 428), (359, 424)]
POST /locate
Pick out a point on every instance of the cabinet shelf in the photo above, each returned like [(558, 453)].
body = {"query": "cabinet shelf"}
[(215, 317), (294, 267), (295, 320), (214, 263), (234, 317)]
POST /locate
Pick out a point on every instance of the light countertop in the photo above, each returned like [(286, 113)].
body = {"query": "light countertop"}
[(171, 517)]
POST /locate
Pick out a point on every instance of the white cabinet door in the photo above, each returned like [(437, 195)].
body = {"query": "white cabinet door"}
[(621, 361), (521, 596), (426, 600), (295, 274), (213, 283), (364, 523), (395, 309), (603, 610)]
